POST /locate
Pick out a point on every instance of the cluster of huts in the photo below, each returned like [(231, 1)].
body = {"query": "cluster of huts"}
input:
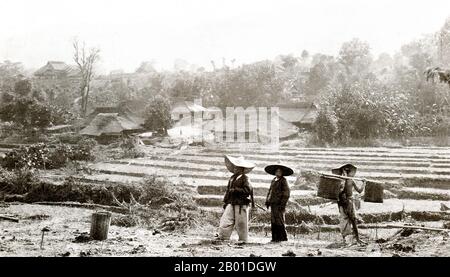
[(106, 123)]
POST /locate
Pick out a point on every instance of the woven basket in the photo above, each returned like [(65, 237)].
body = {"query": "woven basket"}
[(373, 192), (329, 187)]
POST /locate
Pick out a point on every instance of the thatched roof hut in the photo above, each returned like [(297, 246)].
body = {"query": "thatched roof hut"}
[(110, 124), (121, 110)]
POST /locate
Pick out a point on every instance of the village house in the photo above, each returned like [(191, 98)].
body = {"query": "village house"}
[(56, 76), (108, 123), (182, 109), (57, 70), (185, 112), (300, 114)]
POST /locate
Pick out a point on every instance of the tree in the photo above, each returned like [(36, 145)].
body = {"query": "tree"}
[(325, 126), (22, 87), (356, 58), (85, 60), (158, 114), (443, 75), (444, 43), (154, 86), (288, 61), (371, 110), (305, 54), (318, 78), (10, 72), (250, 85), (27, 112), (10, 69), (28, 109), (146, 67)]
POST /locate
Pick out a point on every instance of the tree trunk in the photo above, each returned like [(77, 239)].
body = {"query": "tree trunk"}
[(100, 225), (84, 100)]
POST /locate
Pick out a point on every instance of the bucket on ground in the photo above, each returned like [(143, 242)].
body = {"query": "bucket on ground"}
[(373, 192), (100, 225), (329, 187)]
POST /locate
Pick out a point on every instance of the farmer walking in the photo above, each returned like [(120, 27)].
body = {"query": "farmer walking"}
[(346, 205), (276, 200), (238, 196)]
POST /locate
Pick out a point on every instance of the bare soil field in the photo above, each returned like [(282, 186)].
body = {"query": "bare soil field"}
[(69, 227)]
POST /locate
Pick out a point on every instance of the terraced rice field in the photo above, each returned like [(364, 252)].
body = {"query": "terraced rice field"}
[(421, 174)]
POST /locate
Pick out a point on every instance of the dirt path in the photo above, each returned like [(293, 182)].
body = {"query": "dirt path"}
[(66, 224)]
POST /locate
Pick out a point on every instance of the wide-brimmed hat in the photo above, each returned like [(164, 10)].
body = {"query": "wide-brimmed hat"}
[(231, 163), (273, 167), (338, 171)]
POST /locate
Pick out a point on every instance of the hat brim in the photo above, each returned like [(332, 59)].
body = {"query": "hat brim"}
[(338, 171), (271, 169), (231, 163)]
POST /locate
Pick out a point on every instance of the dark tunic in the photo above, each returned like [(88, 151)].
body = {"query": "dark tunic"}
[(277, 198), (239, 191)]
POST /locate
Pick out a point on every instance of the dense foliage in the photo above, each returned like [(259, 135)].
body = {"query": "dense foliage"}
[(44, 156), (158, 114), (29, 109)]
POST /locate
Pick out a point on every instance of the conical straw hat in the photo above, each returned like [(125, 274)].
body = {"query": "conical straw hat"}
[(231, 163), (287, 171), (338, 171)]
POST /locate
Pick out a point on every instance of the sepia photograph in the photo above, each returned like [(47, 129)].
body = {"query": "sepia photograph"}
[(220, 129)]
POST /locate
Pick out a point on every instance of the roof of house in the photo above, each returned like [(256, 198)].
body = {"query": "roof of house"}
[(298, 114), (59, 127), (57, 67), (187, 107), (285, 127), (122, 111), (109, 124)]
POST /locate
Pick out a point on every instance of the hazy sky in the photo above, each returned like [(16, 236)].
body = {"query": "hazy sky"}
[(131, 31)]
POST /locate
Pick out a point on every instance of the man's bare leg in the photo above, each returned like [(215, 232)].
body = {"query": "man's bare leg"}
[(343, 240), (356, 233)]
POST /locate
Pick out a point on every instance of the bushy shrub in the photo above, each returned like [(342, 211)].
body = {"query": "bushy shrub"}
[(83, 150), (153, 192), (130, 148), (157, 114), (74, 191), (27, 112), (17, 181), (43, 156), (69, 138), (158, 191), (325, 126), (366, 111), (360, 112), (442, 128)]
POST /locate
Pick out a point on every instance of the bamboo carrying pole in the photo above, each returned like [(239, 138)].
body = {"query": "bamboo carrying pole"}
[(344, 177), (100, 225)]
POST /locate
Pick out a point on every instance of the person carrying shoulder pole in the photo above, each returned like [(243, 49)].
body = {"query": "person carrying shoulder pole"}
[(346, 206)]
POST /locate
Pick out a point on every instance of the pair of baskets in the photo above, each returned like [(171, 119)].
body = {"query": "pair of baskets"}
[(329, 188)]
